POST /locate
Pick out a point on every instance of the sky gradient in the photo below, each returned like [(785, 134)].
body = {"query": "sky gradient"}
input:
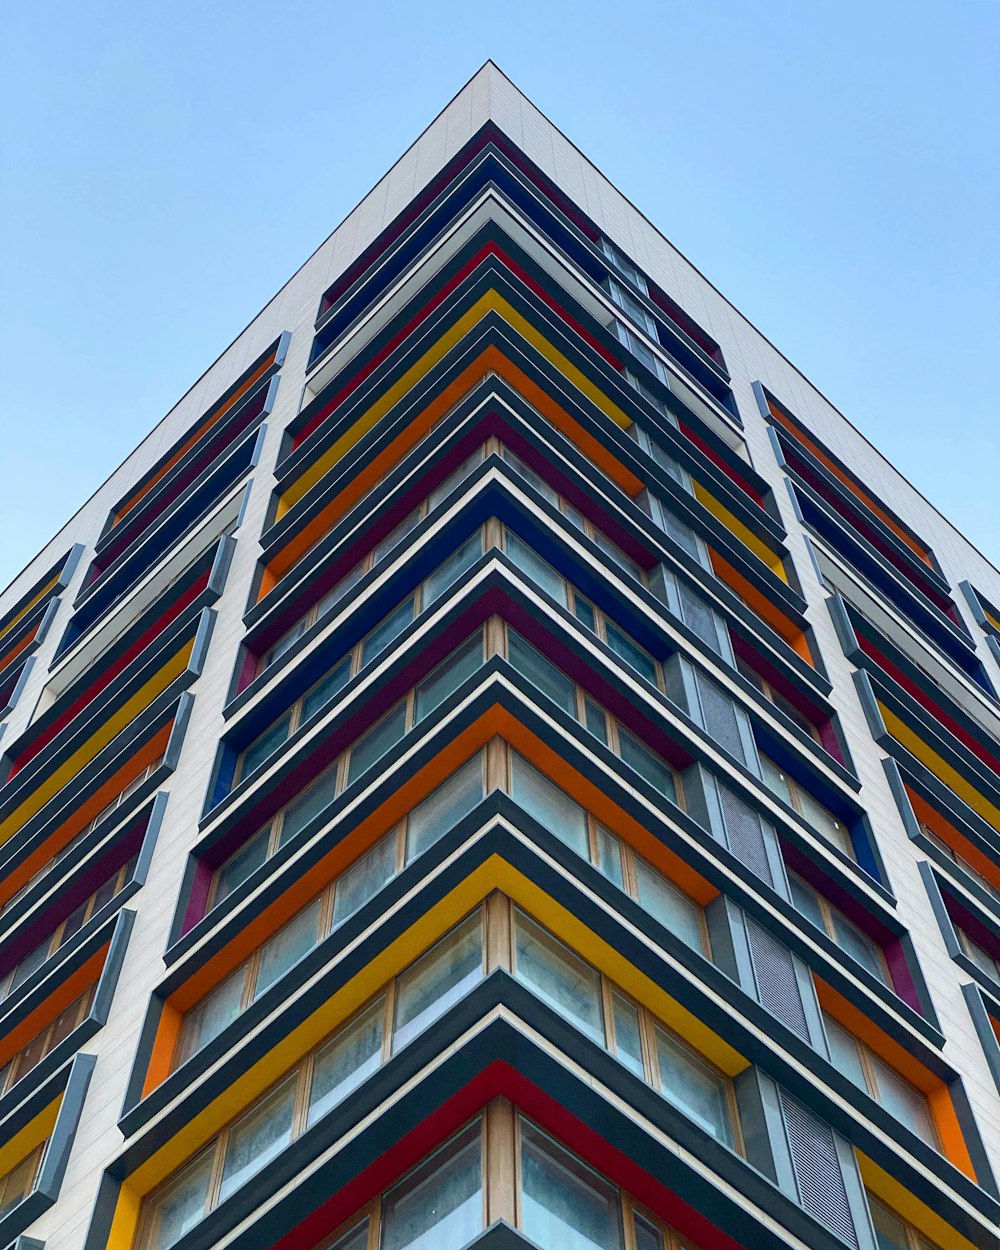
[(833, 169)]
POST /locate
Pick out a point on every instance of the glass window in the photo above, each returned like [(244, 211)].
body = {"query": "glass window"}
[(647, 765), (647, 1235), (538, 570), (542, 673), (325, 689), (180, 1205), (236, 870), (364, 879), (597, 721), (906, 1103), (628, 649), (890, 1232), (287, 947), (551, 807), (806, 901), (388, 630), (672, 908), (559, 977), (444, 808), (315, 799), (396, 535), (19, 1181), (347, 1060), (628, 1037), (534, 479), (858, 944), (214, 1013), (844, 1053), (356, 1239), (448, 676), (609, 857), (258, 1138), (563, 1203), (689, 1083), (444, 489), (376, 742), (437, 980), (264, 747), (439, 1205), (451, 569)]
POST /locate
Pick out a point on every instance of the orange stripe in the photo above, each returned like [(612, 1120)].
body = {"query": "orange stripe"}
[(763, 607), (898, 1057), (496, 721), (948, 834), (43, 1015), (361, 483), (852, 484)]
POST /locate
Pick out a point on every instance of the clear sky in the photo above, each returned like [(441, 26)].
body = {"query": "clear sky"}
[(834, 168)]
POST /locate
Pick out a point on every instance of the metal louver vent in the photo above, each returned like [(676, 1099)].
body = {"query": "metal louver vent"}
[(822, 1191), (774, 972), (698, 616), (720, 717), (745, 834)]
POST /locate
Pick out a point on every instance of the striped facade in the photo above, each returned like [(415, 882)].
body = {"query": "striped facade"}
[(503, 763)]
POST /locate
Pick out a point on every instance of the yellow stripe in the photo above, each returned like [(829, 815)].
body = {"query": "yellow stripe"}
[(749, 539), (102, 736), (27, 607), (489, 302), (494, 874), (39, 1129), (944, 772), (922, 1217)]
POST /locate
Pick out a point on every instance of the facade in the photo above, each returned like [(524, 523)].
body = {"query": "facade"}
[(503, 763)]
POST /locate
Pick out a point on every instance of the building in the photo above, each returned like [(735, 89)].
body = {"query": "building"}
[(503, 762)]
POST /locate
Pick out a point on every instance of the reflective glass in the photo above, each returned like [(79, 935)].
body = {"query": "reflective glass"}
[(628, 1040), (907, 1104), (443, 809), (858, 944), (287, 947), (364, 879), (439, 1206), (565, 1204), (672, 908), (692, 1085), (325, 689), (542, 673), (440, 978), (236, 870), (609, 857), (559, 977), (844, 1054), (180, 1206), (551, 807), (628, 649), (647, 1235), (448, 572), (260, 1136), (214, 1013), (388, 631), (310, 803), (538, 570), (265, 746), (647, 765), (448, 676), (376, 742), (346, 1060)]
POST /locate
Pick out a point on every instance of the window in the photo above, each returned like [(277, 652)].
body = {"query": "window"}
[(818, 817), (774, 696), (45, 1041), (55, 859), (959, 862), (589, 615), (440, 1203), (624, 266), (852, 940), (563, 1202), (580, 994), (348, 767), (892, 1232), (855, 1060), (73, 923), (576, 517), (574, 825), (372, 645), (979, 955), (414, 834), (320, 1081), (20, 1180)]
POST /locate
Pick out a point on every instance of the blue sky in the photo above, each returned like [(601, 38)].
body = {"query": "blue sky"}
[(833, 168)]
